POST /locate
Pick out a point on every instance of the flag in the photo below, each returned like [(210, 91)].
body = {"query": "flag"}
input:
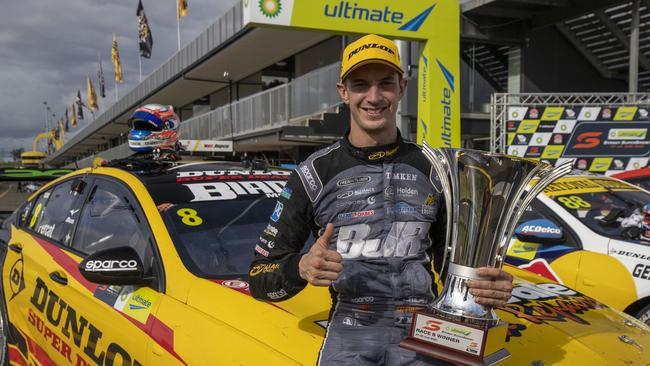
[(144, 32), (67, 121), (73, 122), (80, 104), (100, 77), (92, 97), (115, 57), (182, 8)]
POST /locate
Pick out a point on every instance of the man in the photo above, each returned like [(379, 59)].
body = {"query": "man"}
[(371, 200)]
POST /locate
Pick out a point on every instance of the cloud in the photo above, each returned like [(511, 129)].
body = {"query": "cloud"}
[(48, 47)]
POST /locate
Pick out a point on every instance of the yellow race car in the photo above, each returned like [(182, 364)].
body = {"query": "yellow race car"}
[(146, 263)]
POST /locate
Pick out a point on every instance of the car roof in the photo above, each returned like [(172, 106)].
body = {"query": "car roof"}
[(151, 171)]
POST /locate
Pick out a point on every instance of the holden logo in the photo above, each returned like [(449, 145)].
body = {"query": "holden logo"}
[(371, 200), (389, 191)]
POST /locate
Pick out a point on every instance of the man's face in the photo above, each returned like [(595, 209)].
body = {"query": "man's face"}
[(372, 92)]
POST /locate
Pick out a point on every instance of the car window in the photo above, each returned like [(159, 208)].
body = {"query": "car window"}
[(642, 182), (109, 220), (56, 217), (538, 211), (35, 210), (613, 209)]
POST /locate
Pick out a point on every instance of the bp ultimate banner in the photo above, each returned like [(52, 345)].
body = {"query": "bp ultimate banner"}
[(436, 24), (602, 140)]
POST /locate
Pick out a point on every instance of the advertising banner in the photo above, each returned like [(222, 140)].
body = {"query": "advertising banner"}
[(435, 23), (601, 139)]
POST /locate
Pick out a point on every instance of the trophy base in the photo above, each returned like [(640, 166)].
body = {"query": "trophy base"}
[(459, 343)]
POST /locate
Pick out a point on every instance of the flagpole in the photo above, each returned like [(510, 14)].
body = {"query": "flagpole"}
[(178, 25), (116, 99), (140, 65)]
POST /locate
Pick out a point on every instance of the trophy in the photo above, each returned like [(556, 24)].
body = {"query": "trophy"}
[(485, 195)]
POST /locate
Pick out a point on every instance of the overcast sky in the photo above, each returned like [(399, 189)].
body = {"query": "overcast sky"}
[(48, 47)]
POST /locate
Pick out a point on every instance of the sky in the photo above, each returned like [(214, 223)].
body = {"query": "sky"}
[(47, 48)]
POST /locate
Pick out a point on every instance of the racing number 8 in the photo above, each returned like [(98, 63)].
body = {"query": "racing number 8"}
[(190, 217), (37, 211), (574, 202)]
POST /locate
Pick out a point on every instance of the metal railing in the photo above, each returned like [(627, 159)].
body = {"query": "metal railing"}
[(288, 104)]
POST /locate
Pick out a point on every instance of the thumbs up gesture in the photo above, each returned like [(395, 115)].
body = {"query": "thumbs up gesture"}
[(320, 266)]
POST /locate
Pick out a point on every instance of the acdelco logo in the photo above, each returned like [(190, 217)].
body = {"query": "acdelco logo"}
[(111, 265), (433, 325), (587, 140)]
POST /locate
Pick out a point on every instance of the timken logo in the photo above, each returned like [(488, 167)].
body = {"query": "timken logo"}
[(111, 265)]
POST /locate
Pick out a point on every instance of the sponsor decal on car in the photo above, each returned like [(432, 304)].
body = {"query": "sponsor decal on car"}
[(211, 175), (111, 265), (220, 191), (68, 326), (627, 253), (549, 302), (641, 271)]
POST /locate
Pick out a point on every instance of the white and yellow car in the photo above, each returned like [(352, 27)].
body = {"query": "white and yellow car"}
[(586, 232), (147, 264)]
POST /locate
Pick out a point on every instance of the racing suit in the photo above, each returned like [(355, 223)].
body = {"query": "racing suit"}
[(387, 209)]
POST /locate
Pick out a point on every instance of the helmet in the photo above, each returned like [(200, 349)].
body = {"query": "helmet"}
[(153, 126), (646, 209)]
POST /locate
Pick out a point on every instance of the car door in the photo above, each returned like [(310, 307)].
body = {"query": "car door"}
[(600, 275), (556, 259), (118, 327), (35, 296)]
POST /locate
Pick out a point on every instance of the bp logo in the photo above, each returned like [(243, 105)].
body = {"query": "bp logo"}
[(270, 8)]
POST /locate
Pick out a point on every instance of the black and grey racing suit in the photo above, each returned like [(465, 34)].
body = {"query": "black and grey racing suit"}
[(387, 210)]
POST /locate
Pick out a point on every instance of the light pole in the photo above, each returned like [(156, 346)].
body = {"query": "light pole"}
[(47, 112), (226, 75)]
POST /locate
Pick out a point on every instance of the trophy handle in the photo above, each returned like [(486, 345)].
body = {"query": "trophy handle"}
[(546, 174), (443, 167)]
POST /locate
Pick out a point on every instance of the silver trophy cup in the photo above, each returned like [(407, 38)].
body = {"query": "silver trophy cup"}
[(485, 196)]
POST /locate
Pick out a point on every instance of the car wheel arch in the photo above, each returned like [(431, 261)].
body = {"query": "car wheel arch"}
[(639, 307)]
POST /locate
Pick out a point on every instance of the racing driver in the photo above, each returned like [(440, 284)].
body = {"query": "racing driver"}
[(371, 202)]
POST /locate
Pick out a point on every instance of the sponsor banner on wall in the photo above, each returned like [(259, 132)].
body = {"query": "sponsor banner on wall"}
[(600, 139)]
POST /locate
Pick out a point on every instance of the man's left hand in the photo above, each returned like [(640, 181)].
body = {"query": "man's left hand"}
[(495, 290)]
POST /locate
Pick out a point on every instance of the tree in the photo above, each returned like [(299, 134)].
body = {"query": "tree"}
[(15, 153)]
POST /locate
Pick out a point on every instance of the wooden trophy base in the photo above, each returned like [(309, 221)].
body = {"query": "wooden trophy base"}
[(460, 343)]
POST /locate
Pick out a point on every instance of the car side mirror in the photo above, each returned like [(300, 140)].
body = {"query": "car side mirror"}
[(114, 266), (540, 231)]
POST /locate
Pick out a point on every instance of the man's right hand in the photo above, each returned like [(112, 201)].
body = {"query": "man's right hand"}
[(320, 266)]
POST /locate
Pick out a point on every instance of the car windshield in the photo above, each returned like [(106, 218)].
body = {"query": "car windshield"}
[(607, 206), (215, 225)]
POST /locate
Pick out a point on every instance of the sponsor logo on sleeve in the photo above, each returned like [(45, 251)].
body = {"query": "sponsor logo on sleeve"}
[(353, 180), (277, 212), (263, 268)]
